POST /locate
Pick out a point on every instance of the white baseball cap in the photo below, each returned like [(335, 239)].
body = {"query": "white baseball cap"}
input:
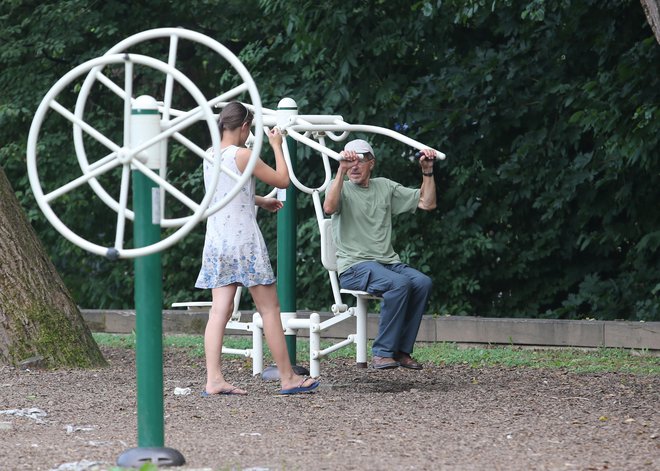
[(360, 146)]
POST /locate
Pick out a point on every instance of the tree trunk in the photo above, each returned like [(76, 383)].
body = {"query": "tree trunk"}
[(39, 321), (652, 11)]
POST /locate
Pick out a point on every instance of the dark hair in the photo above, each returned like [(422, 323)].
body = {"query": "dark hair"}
[(233, 116)]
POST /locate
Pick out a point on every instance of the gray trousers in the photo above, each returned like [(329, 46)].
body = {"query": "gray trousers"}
[(405, 292)]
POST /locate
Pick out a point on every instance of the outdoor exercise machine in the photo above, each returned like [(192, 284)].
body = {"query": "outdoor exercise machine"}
[(136, 159), (136, 155), (312, 131)]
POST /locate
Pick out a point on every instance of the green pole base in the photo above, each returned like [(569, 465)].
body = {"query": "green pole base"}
[(270, 373), (136, 457)]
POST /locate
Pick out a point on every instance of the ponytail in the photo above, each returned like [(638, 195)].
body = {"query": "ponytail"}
[(233, 116)]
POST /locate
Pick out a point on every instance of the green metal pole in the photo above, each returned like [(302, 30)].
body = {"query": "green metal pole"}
[(145, 125), (148, 285), (286, 244), (148, 318)]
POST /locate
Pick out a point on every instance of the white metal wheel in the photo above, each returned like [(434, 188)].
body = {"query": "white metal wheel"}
[(122, 156), (173, 119)]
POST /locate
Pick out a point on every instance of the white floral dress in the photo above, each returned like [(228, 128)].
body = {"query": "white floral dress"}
[(234, 249)]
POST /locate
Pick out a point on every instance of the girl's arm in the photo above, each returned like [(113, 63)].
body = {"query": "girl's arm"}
[(277, 177)]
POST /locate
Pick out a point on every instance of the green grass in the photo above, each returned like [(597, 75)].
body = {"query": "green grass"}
[(572, 359)]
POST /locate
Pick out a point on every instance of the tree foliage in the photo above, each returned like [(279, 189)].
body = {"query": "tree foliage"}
[(548, 112)]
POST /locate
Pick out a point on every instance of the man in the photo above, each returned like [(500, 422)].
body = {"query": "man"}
[(362, 210)]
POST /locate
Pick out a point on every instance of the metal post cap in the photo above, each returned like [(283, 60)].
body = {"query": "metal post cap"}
[(287, 104)]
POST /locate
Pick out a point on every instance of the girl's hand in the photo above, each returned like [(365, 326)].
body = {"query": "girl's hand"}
[(269, 204), (275, 137)]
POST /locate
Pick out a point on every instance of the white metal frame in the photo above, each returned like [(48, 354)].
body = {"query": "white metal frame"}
[(340, 310), (121, 155), (312, 130), (235, 323), (127, 155), (173, 120)]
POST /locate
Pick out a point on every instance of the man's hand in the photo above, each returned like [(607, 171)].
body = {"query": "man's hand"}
[(349, 159), (426, 160)]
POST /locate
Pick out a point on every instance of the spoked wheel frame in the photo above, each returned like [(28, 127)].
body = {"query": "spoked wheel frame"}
[(175, 35), (128, 158)]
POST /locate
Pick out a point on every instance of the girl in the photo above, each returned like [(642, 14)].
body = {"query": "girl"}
[(235, 254)]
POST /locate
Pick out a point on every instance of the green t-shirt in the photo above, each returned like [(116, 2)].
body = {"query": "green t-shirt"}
[(362, 226)]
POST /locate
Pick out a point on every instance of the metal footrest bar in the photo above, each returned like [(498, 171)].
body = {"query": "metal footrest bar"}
[(322, 353)]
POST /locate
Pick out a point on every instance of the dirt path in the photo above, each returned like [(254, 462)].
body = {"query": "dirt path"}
[(444, 418)]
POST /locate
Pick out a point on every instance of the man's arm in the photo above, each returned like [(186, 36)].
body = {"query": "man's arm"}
[(333, 196), (427, 198)]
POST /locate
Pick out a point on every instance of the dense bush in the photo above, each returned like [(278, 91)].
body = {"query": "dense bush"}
[(548, 112)]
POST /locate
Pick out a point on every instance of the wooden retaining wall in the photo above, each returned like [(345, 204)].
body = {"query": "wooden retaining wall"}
[(458, 329)]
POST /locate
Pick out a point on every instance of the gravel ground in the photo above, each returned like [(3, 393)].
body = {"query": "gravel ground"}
[(440, 418)]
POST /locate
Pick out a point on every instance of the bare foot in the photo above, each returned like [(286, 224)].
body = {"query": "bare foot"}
[(223, 388)]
